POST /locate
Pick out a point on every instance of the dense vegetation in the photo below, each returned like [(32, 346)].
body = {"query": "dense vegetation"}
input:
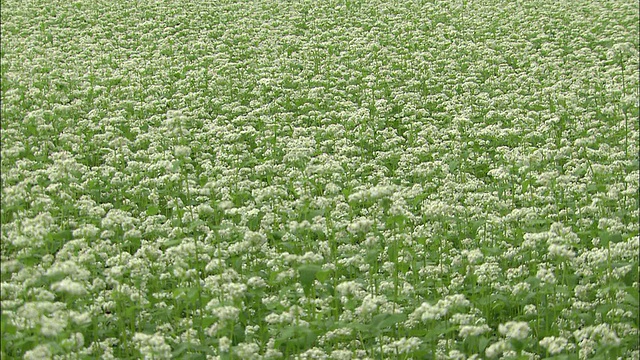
[(261, 179)]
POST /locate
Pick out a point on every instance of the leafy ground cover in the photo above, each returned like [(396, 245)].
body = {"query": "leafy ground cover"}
[(336, 179)]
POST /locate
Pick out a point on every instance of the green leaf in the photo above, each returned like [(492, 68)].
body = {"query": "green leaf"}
[(307, 274), (175, 166), (615, 238), (439, 330), (518, 345), (171, 243), (180, 349), (382, 321), (196, 351), (364, 328), (561, 357), (30, 260), (152, 210), (606, 238), (392, 251), (322, 275), (631, 297), (195, 224), (298, 337), (5, 326), (483, 341), (453, 165), (372, 257), (238, 333)]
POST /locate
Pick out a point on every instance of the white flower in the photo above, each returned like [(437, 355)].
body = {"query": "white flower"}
[(40, 352), (601, 333), (488, 272), (427, 312), (313, 354), (402, 346), (182, 151), (470, 330), (256, 282), (224, 313), (51, 327), (554, 345), (361, 225), (515, 329), (80, 318), (349, 288), (247, 350), (454, 301), (370, 304), (474, 256), (341, 355), (520, 288), (224, 344), (456, 355), (234, 290), (69, 286), (86, 231), (546, 276), (152, 347), (561, 251), (622, 50), (75, 341), (497, 348)]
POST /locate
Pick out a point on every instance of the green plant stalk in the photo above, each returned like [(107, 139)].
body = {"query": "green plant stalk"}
[(197, 260), (624, 111)]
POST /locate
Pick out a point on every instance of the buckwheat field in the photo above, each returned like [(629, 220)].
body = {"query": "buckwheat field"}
[(330, 179)]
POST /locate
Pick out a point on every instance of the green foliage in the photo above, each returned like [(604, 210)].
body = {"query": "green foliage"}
[(237, 179)]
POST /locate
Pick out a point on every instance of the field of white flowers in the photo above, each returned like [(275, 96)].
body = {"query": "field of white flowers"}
[(300, 179)]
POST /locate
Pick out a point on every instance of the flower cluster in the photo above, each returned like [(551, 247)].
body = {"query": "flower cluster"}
[(319, 180)]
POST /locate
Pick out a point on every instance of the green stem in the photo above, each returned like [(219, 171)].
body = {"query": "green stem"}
[(624, 111), (197, 258)]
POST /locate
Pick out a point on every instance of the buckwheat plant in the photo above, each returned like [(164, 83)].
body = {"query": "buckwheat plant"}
[(302, 179)]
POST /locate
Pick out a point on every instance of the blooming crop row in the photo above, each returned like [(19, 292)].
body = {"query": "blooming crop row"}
[(340, 179)]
